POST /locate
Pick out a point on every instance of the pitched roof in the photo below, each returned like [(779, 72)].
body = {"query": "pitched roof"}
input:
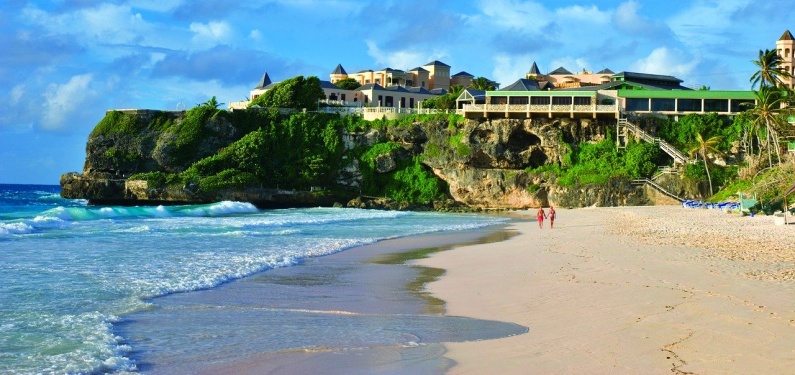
[(786, 36), (439, 91), (522, 84), (437, 63), (462, 74), (417, 90), (534, 70), (365, 71), (339, 70), (263, 82), (328, 85), (605, 71), (475, 94), (560, 70), (628, 76), (388, 69), (419, 69)]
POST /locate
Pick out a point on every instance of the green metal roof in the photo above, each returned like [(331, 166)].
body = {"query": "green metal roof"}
[(541, 93), (687, 94)]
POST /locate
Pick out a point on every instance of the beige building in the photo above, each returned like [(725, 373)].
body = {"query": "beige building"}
[(562, 78), (786, 51), (434, 75)]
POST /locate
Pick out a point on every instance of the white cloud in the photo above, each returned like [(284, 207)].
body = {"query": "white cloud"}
[(515, 14), (666, 61), (627, 19), (714, 28), (16, 94), (255, 35), (574, 65), (587, 14), (61, 101), (507, 68), (212, 33), (405, 59), (106, 23), (155, 5)]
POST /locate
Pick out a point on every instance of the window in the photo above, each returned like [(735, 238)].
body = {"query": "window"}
[(561, 100), (637, 104), (342, 97), (659, 105), (689, 105), (739, 105), (519, 99), (582, 101), (539, 100), (716, 105)]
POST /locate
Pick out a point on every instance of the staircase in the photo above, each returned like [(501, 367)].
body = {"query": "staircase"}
[(623, 129), (657, 187)]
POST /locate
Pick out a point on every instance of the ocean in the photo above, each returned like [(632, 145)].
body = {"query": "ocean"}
[(80, 285)]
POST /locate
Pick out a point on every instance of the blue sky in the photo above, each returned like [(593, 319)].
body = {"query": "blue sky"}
[(63, 63)]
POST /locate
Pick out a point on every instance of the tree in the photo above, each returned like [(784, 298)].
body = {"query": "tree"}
[(703, 148), (482, 83), (456, 90), (768, 113), (295, 93), (770, 72), (212, 103), (348, 84)]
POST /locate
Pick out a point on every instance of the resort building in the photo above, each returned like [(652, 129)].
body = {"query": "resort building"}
[(434, 75), (562, 78), (785, 46), (370, 94), (624, 93)]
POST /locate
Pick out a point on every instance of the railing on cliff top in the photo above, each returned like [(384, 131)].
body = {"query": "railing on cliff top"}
[(540, 108)]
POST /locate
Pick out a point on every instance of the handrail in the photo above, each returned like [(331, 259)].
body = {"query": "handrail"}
[(665, 146), (658, 187)]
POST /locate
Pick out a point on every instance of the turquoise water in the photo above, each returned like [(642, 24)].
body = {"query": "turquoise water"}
[(70, 272)]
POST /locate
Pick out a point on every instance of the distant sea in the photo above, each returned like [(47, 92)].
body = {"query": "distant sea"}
[(70, 273)]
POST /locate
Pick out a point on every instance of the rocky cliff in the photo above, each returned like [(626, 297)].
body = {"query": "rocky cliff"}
[(483, 163)]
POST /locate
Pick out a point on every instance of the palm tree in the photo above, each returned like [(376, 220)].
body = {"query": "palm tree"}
[(768, 113), (770, 72), (703, 148), (482, 83)]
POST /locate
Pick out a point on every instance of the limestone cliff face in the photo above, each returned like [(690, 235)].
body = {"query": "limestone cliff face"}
[(483, 162)]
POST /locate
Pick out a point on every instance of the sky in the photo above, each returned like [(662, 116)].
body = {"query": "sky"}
[(63, 63)]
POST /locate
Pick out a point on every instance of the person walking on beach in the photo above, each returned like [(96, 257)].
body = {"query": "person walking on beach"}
[(551, 216), (541, 216)]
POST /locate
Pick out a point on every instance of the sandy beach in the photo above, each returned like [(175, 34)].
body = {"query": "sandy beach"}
[(631, 290)]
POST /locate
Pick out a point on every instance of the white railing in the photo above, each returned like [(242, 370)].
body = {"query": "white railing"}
[(551, 108)]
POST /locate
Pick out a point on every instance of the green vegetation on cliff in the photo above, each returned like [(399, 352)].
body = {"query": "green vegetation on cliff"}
[(409, 181), (297, 93)]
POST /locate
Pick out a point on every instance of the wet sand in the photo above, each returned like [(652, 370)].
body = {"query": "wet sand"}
[(355, 312), (631, 290)]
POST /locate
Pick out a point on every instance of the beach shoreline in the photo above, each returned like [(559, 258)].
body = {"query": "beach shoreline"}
[(635, 290), (372, 280)]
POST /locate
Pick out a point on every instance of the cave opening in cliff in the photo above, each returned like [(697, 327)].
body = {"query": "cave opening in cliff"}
[(520, 140), (537, 158)]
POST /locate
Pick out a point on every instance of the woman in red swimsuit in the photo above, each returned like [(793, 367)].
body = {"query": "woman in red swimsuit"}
[(541, 216)]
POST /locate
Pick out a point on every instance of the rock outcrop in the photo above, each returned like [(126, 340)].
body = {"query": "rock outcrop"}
[(483, 162)]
